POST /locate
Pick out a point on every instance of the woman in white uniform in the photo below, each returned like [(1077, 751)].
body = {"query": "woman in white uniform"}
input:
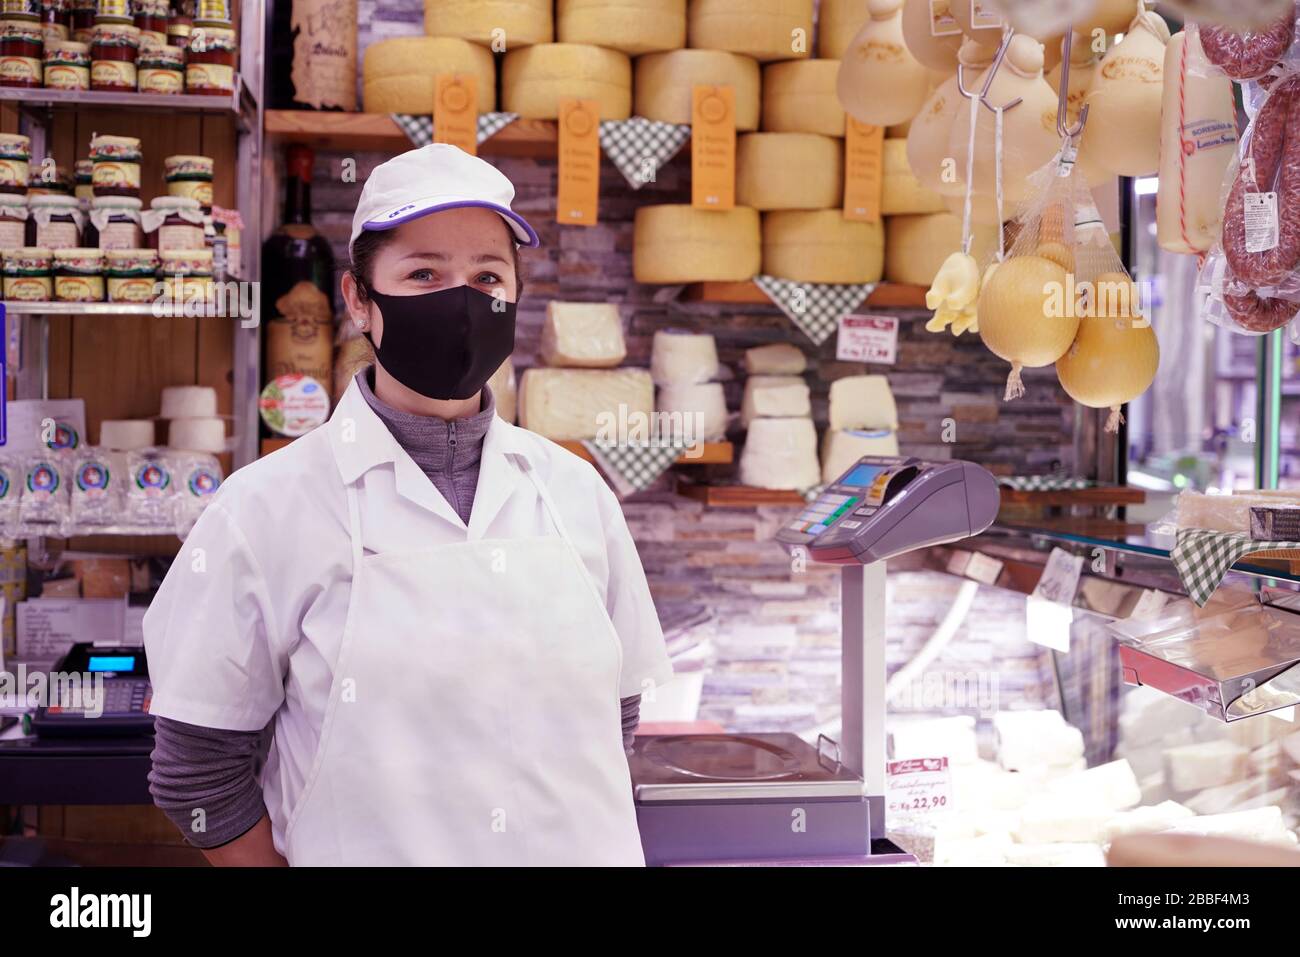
[(441, 691)]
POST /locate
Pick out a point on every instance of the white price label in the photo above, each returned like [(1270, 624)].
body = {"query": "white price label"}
[(918, 786), (942, 22), (867, 339), (1060, 578), (1149, 605), (1261, 222), (982, 568)]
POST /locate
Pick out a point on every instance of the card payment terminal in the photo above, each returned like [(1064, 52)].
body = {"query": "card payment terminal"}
[(123, 707)]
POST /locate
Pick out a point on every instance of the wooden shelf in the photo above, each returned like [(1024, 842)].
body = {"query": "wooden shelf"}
[(739, 496), (378, 131), (887, 295), (714, 453)]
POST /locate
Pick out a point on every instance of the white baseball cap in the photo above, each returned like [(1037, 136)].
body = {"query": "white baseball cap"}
[(432, 178)]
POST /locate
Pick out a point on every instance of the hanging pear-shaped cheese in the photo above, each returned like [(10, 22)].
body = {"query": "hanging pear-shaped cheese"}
[(1083, 67), (1112, 16), (933, 163), (880, 82), (937, 53), (1123, 132)]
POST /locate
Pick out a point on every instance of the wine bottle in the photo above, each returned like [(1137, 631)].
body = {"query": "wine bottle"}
[(314, 55)]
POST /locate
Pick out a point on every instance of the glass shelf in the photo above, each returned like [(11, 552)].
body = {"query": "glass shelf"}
[(241, 103)]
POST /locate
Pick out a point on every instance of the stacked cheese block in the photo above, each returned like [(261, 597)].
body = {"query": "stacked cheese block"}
[(781, 443), (863, 421), (192, 421), (690, 402)]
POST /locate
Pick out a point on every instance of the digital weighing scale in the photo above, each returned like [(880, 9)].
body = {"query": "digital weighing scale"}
[(774, 798)]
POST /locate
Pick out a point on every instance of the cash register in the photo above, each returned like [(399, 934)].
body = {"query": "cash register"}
[(760, 798)]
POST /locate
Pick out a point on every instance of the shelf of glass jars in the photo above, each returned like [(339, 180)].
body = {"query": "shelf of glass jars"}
[(377, 131), (242, 103), (157, 309), (886, 295)]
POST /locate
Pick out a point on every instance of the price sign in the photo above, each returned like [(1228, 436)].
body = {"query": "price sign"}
[(867, 339), (918, 786)]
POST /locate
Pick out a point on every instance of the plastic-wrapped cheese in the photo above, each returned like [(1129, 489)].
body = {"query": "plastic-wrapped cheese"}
[(188, 401), (571, 404), (840, 449), (1198, 139), (678, 243), (534, 80), (1145, 820), (1255, 824), (779, 358), (630, 26), (197, 434), (935, 53), (880, 82), (1112, 786), (1205, 765), (683, 358), (822, 246), (1033, 740), (789, 171), (400, 75), (862, 402), (916, 246), (763, 29), (701, 406), (582, 335), (776, 396), (901, 192), (799, 97), (1123, 131), (664, 82), (505, 390), (515, 23), (780, 454), (125, 435), (929, 156)]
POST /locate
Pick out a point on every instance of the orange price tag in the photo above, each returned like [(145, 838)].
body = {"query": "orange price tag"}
[(713, 147), (578, 195), (455, 111), (863, 148)]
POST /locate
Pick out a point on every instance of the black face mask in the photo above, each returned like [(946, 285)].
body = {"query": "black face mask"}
[(444, 344)]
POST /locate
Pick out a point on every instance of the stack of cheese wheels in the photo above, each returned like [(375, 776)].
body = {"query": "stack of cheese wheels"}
[(880, 82), (762, 29), (902, 193), (822, 246), (502, 24), (633, 27), (678, 244), (789, 171), (192, 421), (863, 421), (400, 75), (781, 443), (664, 82), (1123, 132), (690, 403), (838, 22), (935, 53), (799, 97), (534, 79), (928, 154), (916, 246)]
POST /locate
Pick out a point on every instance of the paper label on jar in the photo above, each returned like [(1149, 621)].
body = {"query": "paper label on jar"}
[(131, 289), (61, 76), (54, 235), (196, 189), (1261, 222), (209, 78), (54, 32), (12, 234), (117, 73), (160, 81), (324, 70), (178, 238), (112, 173), (27, 288), (14, 172), (120, 236), (79, 288), (20, 69)]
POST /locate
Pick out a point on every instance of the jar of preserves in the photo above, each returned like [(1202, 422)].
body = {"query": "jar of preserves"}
[(15, 162), (83, 20), (52, 181), (78, 275), (113, 53), (57, 219), (151, 18), (190, 176), (174, 224), (211, 10), (13, 221), (20, 51), (82, 180), (116, 170), (56, 21), (26, 274), (186, 274), (67, 65), (210, 62), (131, 274), (161, 69), (115, 223)]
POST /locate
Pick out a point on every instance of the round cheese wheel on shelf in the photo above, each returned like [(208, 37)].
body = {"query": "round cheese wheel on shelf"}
[(799, 97), (197, 435), (400, 75), (931, 160), (880, 82), (789, 171), (916, 246), (838, 22), (822, 246), (701, 408), (780, 454), (534, 79), (123, 435), (664, 82), (629, 26), (678, 357), (188, 401), (901, 192), (515, 23), (763, 29), (678, 244), (936, 53)]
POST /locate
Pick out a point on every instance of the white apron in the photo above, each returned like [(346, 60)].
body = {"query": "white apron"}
[(474, 716)]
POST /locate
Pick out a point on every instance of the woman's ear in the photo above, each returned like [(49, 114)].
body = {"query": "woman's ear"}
[(358, 305)]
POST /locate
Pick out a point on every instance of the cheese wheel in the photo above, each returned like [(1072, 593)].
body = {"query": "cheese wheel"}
[(929, 155), (774, 396), (1198, 130), (678, 243), (1123, 131), (935, 53), (789, 171), (780, 454), (197, 434), (779, 358), (535, 78), (664, 82), (501, 24), (696, 410), (901, 192), (841, 448), (188, 401), (629, 26), (505, 390), (838, 22), (582, 334), (822, 246), (763, 29), (862, 402), (566, 405), (916, 246), (126, 434), (400, 75), (880, 82), (683, 358), (799, 97)]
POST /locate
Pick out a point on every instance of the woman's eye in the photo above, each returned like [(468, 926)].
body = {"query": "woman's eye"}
[(421, 275), (489, 279)]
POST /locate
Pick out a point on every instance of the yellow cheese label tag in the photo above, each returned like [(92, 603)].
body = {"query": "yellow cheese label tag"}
[(713, 147), (863, 177), (455, 111), (578, 196)]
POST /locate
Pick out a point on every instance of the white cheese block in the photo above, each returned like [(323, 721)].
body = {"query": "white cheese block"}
[(683, 358), (571, 404), (840, 449), (1233, 796), (1034, 740), (399, 75), (1055, 855), (535, 79), (987, 786), (505, 390), (1205, 765), (197, 434), (630, 26), (862, 402), (678, 244), (779, 358), (780, 454), (664, 82), (821, 246), (901, 192), (1112, 786), (582, 335), (952, 738), (799, 97), (789, 171), (774, 397), (698, 411), (515, 23), (838, 22), (188, 401), (763, 29), (1056, 820), (1258, 824), (123, 435), (1146, 820)]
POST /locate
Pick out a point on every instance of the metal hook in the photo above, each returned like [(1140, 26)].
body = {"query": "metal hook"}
[(1063, 100), (996, 65)]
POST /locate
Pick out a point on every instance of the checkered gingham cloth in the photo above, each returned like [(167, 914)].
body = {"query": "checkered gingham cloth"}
[(634, 467), (639, 147), (816, 308), (1203, 557), (419, 128), (1043, 483)]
